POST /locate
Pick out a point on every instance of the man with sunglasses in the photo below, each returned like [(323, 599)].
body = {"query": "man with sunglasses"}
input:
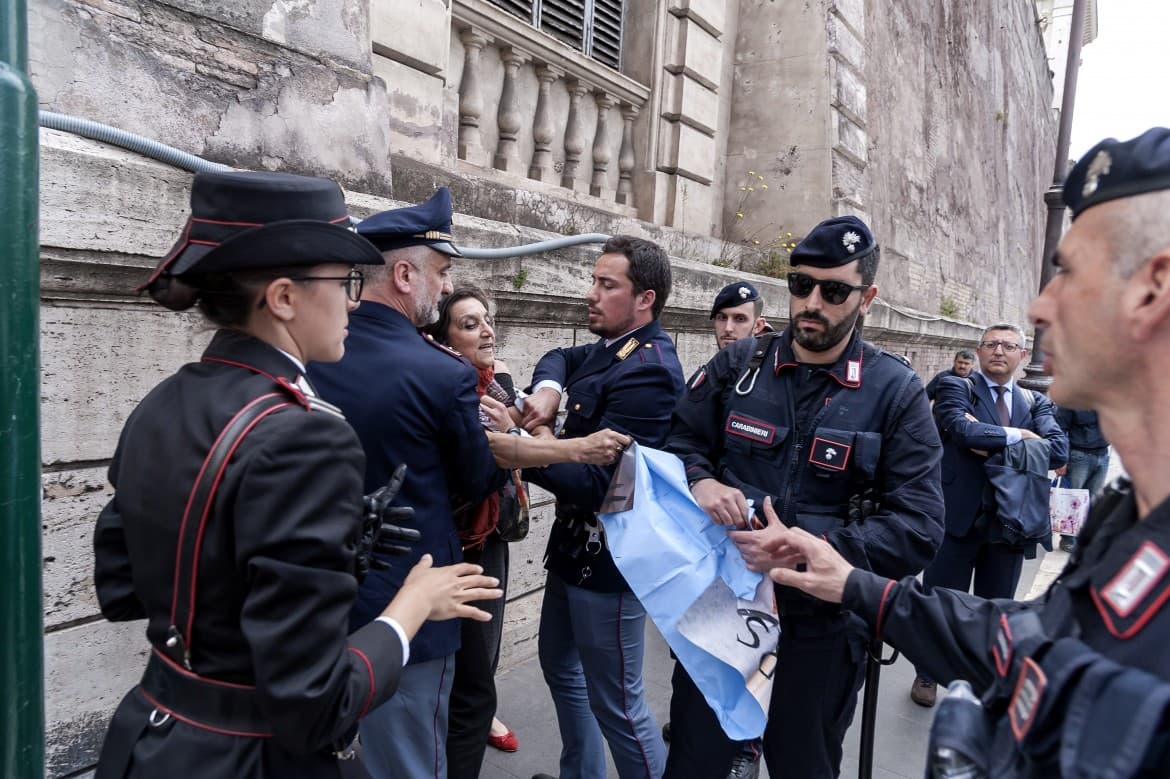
[(979, 416), (411, 401), (837, 435)]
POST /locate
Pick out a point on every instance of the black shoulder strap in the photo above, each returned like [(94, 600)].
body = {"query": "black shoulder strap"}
[(196, 513), (747, 375)]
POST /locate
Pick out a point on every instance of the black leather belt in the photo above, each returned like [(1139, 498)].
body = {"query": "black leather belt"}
[(204, 703)]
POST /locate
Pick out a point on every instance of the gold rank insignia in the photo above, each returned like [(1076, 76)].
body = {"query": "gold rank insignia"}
[(627, 348)]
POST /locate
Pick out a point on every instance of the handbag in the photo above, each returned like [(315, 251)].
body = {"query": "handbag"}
[(512, 524), (1067, 507)]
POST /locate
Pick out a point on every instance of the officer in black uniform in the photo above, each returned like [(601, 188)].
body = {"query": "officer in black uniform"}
[(839, 435), (237, 507), (1076, 683)]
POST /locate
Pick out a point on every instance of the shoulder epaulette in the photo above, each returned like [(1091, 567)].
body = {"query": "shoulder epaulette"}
[(317, 404), (899, 357), (443, 348)]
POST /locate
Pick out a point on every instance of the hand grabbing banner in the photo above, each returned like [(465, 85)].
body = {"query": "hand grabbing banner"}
[(717, 616)]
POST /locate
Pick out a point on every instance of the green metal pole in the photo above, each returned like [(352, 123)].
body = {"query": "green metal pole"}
[(22, 727)]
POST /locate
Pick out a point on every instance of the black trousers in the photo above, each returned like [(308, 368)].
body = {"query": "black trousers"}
[(819, 670), (473, 690)]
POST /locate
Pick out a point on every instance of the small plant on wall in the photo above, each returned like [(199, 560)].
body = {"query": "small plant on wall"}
[(761, 250), (948, 307)]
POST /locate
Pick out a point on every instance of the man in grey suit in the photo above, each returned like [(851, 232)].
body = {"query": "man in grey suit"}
[(978, 416)]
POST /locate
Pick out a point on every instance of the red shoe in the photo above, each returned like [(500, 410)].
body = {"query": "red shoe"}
[(505, 743)]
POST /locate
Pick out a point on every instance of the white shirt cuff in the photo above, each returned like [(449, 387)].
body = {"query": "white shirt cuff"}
[(401, 636), (548, 383), (1014, 436)]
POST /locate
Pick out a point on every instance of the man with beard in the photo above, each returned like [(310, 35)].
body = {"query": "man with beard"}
[(837, 435), (411, 401), (591, 625), (738, 312)]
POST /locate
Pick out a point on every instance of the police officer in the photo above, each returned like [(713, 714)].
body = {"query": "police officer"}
[(591, 626), (830, 429), (1076, 683), (738, 312), (412, 400), (237, 504)]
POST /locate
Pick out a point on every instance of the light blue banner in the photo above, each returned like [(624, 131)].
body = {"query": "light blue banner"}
[(671, 553)]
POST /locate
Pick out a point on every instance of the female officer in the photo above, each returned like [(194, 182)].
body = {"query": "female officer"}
[(237, 506)]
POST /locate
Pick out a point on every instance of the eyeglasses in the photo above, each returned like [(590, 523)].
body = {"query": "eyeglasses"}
[(354, 281), (834, 292), (1007, 346)]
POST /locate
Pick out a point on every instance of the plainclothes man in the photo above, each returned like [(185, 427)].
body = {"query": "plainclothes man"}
[(961, 366), (978, 417)]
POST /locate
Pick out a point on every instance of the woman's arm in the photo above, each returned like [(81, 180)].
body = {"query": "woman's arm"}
[(514, 451)]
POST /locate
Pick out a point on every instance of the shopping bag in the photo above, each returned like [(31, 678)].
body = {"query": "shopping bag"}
[(717, 616), (1068, 508)]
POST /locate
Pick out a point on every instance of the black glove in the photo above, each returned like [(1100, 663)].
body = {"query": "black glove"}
[(380, 532)]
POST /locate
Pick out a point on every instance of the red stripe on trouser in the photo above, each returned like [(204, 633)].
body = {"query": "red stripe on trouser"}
[(625, 706)]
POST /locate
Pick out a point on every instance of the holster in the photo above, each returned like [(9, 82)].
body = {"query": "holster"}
[(575, 526)]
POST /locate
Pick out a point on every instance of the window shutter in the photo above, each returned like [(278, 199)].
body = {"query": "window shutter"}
[(607, 32), (565, 20), (521, 8)]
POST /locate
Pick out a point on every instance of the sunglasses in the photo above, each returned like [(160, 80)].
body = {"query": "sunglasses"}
[(354, 281), (835, 293)]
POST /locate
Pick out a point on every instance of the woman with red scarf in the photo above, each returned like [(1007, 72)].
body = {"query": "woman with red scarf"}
[(465, 325)]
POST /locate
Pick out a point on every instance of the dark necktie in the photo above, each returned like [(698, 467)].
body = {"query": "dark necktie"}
[(1001, 408)]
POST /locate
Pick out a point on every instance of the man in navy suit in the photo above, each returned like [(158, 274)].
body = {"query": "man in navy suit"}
[(591, 625), (411, 400), (978, 416)]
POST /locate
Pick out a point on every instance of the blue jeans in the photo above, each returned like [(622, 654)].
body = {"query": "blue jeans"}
[(591, 647), (1086, 470)]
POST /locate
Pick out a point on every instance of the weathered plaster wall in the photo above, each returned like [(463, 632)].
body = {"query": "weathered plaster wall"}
[(931, 120), (264, 85), (961, 144)]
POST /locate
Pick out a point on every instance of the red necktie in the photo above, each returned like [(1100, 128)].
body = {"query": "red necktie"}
[(1005, 418)]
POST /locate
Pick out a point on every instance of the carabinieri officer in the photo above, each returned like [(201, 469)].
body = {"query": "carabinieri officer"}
[(838, 434), (237, 505)]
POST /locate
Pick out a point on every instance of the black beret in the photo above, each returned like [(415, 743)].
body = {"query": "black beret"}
[(834, 242), (1114, 169), (427, 224), (734, 294), (250, 221)]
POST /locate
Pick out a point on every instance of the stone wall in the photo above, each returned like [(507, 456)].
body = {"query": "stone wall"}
[(961, 141), (930, 120)]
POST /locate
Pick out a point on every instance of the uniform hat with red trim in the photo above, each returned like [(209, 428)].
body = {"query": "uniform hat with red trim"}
[(834, 242), (427, 224), (251, 221)]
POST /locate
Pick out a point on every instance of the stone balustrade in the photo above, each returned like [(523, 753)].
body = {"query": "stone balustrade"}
[(556, 110)]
